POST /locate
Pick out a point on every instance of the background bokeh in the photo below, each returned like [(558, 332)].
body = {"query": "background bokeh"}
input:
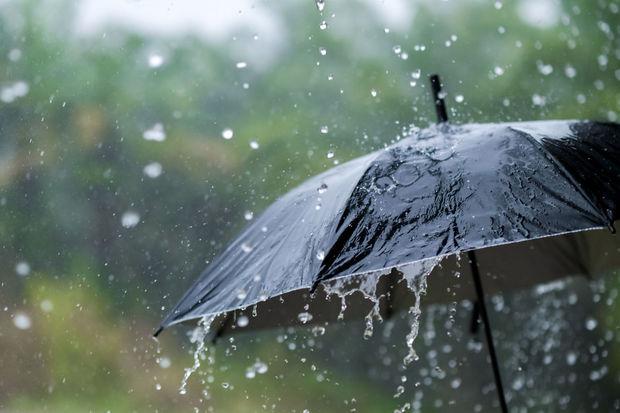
[(137, 137)]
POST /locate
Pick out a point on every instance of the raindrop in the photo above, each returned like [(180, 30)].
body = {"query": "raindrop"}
[(570, 71), (323, 25), (571, 358), (155, 61), (591, 323), (248, 215), (261, 368), (164, 362), (14, 55), (544, 69), (254, 145), (47, 306), (322, 188), (241, 65), (459, 98), (538, 100), (152, 170), (498, 70), (22, 268), (11, 92), (416, 74), (324, 129), (304, 317), (320, 255), (227, 134), (330, 154), (241, 294), (155, 133), (397, 49), (373, 93), (130, 219), (322, 51), (320, 4), (22, 321), (245, 247), (157, 386), (243, 321)]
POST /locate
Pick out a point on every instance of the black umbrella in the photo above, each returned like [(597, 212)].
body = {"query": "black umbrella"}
[(439, 192)]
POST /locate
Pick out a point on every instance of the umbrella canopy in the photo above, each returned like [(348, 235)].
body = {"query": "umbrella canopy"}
[(438, 192)]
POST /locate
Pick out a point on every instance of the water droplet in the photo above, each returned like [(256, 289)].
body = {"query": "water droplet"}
[(158, 386), (571, 358), (330, 154), (544, 69), (47, 306), (152, 170), (241, 65), (498, 70), (324, 129), (318, 331), (304, 317), (538, 100), (261, 368), (320, 5), (323, 25), (591, 323), (243, 321), (241, 294), (22, 268), (227, 134), (320, 255), (570, 71), (130, 219), (22, 321), (245, 247), (164, 362), (155, 133), (397, 49), (11, 92), (322, 51), (373, 93), (322, 188), (248, 215), (14, 55), (459, 98), (155, 60), (416, 74)]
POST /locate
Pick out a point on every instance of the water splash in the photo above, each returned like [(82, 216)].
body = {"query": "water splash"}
[(198, 336), (414, 274)]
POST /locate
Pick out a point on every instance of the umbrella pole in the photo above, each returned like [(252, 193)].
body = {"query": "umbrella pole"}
[(473, 262), (442, 117)]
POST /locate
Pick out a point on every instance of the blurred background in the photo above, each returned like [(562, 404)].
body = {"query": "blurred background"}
[(138, 137)]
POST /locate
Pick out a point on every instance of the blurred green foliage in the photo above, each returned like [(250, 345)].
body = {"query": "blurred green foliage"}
[(72, 155)]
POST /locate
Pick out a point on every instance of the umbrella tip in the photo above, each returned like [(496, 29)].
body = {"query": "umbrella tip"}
[(440, 105), (159, 330)]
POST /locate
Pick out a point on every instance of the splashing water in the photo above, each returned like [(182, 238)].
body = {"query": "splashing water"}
[(414, 274), (198, 336)]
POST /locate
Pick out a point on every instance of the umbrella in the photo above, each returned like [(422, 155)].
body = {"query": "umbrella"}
[(441, 191)]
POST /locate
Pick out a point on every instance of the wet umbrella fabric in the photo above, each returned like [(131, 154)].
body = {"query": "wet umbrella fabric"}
[(440, 191)]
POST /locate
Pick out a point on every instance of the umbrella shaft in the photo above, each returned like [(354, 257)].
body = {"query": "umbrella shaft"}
[(473, 262)]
